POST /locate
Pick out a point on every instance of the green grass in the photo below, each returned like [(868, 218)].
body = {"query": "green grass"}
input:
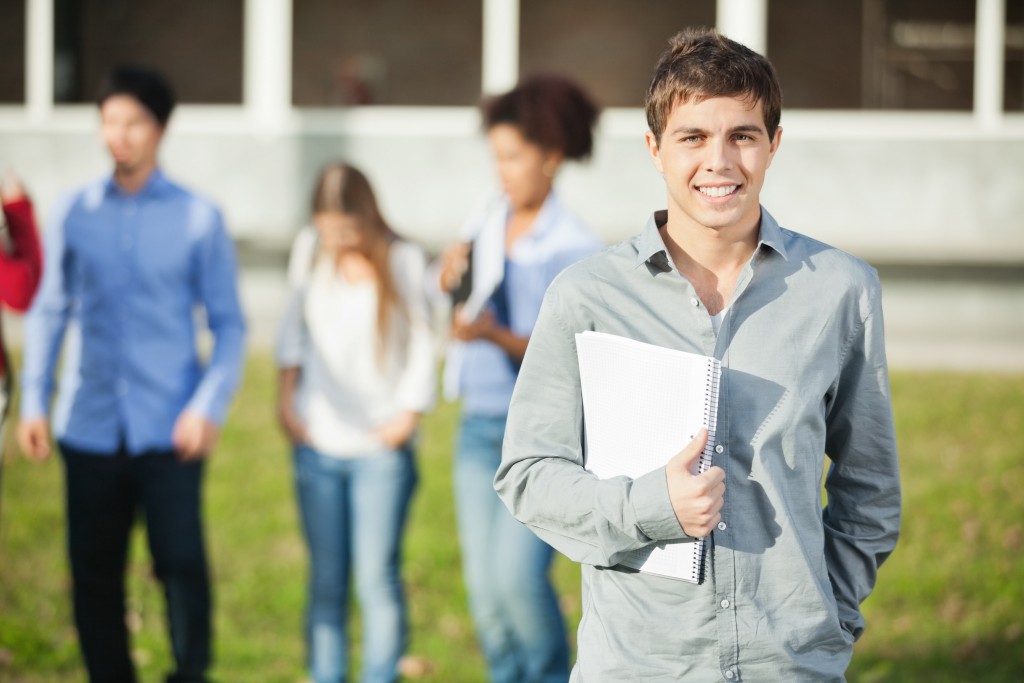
[(948, 606)]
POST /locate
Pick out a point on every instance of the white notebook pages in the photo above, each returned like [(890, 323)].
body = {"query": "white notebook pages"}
[(642, 404)]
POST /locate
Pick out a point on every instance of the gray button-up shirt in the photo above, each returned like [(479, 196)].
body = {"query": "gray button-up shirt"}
[(803, 375)]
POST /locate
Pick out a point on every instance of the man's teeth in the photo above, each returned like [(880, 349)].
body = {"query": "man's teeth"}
[(719, 191)]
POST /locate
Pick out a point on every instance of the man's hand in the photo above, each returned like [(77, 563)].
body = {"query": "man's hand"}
[(194, 435), (398, 431), (34, 438), (696, 499)]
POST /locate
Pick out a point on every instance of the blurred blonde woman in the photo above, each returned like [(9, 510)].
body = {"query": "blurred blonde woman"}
[(356, 362)]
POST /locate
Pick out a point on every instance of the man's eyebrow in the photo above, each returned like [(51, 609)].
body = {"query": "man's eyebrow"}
[(744, 128)]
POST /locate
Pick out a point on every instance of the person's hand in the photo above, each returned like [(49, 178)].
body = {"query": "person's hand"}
[(11, 189), (483, 327), (454, 264), (696, 499), (399, 430), (293, 427), (34, 438), (194, 435)]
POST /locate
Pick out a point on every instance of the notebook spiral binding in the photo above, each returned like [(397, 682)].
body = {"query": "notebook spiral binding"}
[(711, 422)]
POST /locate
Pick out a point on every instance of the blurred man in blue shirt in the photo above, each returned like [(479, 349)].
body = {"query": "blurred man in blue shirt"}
[(131, 259)]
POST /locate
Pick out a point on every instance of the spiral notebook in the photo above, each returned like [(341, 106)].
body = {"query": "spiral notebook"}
[(641, 405)]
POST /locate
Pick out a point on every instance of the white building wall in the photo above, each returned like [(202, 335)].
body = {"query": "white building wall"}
[(889, 188), (899, 187)]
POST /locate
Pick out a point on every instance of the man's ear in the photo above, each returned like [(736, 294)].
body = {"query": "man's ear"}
[(652, 148), (775, 145)]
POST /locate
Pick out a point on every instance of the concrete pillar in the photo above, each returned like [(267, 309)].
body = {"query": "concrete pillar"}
[(39, 59), (267, 69), (989, 61), (745, 21), (500, 45)]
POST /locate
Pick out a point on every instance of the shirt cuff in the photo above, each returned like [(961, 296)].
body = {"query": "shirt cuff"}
[(653, 509), (32, 405)]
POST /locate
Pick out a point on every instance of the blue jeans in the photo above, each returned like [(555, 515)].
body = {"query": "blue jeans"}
[(353, 512), (514, 607)]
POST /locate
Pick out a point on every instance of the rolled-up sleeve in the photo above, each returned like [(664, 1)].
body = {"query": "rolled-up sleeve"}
[(862, 518), (542, 479), (292, 336)]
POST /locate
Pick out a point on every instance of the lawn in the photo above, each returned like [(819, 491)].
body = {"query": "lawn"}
[(948, 606)]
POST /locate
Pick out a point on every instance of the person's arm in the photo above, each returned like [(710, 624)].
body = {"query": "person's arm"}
[(196, 430), (862, 517), (292, 341), (542, 479), (487, 328), (20, 270), (292, 426), (44, 328), (415, 390)]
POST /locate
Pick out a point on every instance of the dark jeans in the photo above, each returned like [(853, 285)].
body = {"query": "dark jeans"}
[(104, 494)]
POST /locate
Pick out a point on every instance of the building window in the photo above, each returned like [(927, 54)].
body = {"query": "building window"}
[(610, 46), (1014, 68), (394, 52), (12, 52), (197, 44), (875, 54)]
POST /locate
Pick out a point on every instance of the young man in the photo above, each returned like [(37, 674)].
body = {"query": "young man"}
[(130, 257), (797, 326)]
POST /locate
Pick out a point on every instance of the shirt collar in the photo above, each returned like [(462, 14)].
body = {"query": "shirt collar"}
[(651, 247), (154, 185), (771, 234), (546, 218)]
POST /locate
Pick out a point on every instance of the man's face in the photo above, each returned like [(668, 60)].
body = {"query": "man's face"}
[(130, 132), (713, 155)]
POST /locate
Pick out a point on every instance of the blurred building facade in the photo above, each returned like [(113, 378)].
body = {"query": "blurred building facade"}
[(903, 119)]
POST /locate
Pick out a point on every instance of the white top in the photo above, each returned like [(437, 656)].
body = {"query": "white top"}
[(300, 259), (716, 320), (330, 332)]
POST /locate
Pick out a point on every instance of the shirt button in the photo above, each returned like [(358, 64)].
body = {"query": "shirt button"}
[(730, 674), (694, 301), (725, 604), (719, 448), (722, 526)]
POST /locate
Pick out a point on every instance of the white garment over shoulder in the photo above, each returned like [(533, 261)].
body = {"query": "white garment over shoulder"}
[(329, 331)]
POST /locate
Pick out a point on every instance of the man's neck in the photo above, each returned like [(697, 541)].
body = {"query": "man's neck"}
[(711, 259), (131, 180)]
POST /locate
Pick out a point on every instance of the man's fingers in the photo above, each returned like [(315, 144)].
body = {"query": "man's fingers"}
[(34, 439), (687, 458)]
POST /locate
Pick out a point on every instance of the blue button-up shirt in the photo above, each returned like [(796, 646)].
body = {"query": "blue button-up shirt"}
[(803, 376), (126, 276)]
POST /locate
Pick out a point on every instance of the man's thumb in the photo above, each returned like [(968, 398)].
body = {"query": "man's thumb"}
[(689, 456)]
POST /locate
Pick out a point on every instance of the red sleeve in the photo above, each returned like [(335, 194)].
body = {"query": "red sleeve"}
[(20, 271)]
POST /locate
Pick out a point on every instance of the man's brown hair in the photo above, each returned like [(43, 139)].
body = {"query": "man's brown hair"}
[(701, 63)]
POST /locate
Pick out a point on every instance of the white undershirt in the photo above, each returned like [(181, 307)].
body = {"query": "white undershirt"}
[(716, 320)]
